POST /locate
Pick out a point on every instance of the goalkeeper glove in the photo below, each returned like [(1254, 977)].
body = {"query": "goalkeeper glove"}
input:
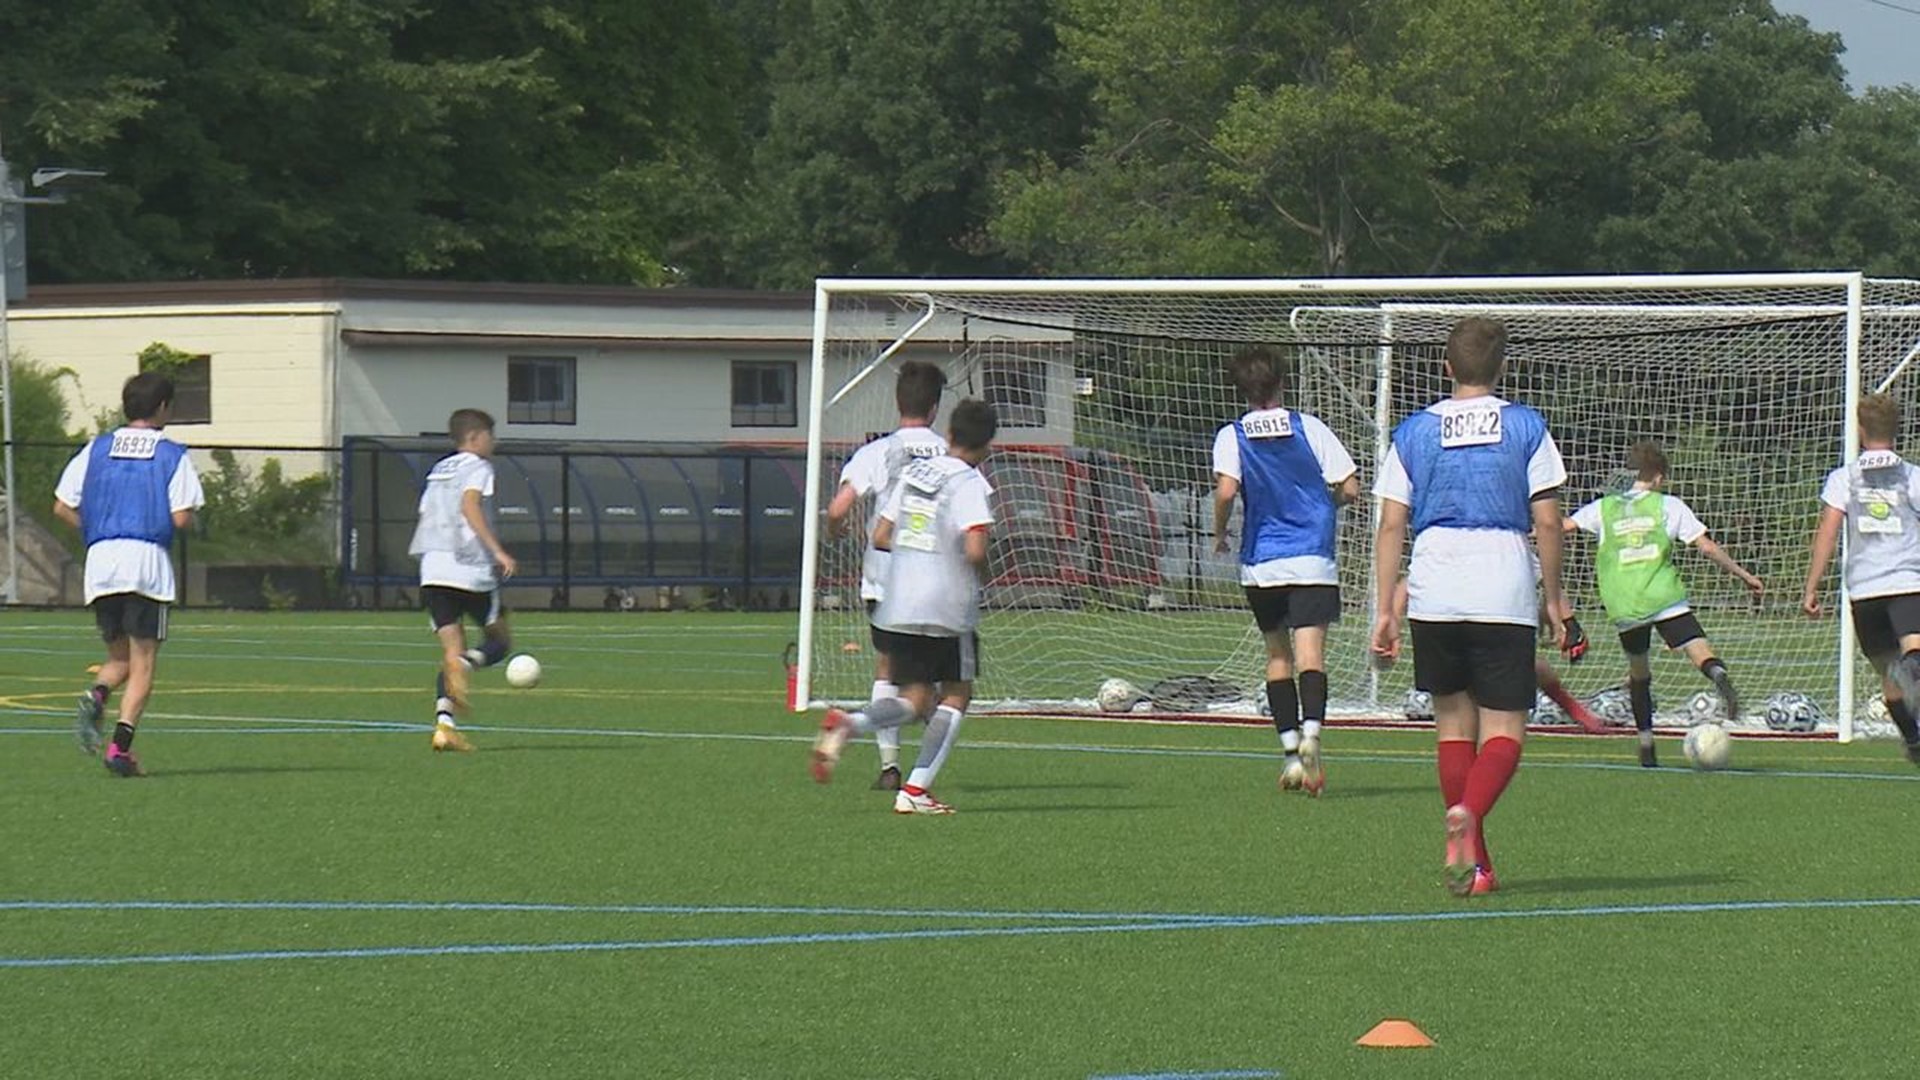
[(1576, 646)]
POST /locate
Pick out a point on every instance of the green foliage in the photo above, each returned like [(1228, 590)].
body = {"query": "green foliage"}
[(43, 443), (262, 517), (163, 358)]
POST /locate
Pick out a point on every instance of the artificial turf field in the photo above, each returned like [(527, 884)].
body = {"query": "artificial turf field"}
[(634, 876)]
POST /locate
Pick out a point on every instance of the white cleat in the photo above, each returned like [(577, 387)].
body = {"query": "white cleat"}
[(1294, 776), (1314, 774), (905, 802)]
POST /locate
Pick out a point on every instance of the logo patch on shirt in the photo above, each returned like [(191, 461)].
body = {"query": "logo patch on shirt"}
[(135, 444), (1878, 506), (1476, 425)]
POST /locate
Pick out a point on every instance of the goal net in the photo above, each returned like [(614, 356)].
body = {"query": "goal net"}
[(1109, 394)]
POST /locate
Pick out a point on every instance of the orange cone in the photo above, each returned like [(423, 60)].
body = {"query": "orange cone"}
[(1394, 1034)]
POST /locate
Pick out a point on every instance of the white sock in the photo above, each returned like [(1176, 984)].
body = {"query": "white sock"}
[(887, 739), (1290, 740), (1310, 729), (928, 767)]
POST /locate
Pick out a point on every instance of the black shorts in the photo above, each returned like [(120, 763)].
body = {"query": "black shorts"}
[(1293, 606), (917, 660), (1880, 622), (446, 606), (1492, 661), (1676, 631), (130, 615)]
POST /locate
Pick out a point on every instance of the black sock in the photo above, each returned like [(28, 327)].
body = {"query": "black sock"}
[(1313, 696), (1714, 669), (1284, 699), (1903, 719), (1641, 691), (440, 686), (492, 651), (123, 736)]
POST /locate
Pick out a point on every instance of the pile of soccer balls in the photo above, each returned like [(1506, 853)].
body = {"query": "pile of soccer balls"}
[(1119, 695)]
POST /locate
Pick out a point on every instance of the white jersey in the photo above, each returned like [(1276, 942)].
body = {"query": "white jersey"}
[(873, 470), (450, 552), (131, 566), (1880, 494), (931, 588)]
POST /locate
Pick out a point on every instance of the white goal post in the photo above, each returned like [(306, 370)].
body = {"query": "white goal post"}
[(1109, 392)]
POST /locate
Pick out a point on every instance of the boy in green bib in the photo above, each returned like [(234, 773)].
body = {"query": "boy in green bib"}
[(1640, 587)]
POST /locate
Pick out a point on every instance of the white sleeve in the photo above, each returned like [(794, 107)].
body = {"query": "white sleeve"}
[(858, 470), (1545, 470), (892, 510), (1834, 492), (73, 478), (1682, 523), (1588, 517), (1335, 463), (1226, 453), (971, 507), (479, 478), (1393, 481), (184, 491)]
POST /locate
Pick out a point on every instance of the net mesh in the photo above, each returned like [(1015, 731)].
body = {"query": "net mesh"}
[(1102, 567)]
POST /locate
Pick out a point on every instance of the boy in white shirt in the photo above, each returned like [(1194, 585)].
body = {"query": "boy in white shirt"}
[(462, 563), (127, 492)]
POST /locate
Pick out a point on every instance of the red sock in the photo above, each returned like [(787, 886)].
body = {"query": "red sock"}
[(1456, 762), (1498, 759)]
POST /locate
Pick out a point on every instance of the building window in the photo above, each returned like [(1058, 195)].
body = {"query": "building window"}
[(540, 390), (1017, 390), (193, 391), (764, 393)]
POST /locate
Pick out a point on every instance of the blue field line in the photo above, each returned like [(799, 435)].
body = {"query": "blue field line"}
[(391, 726), (513, 906), (1214, 1074), (950, 933)]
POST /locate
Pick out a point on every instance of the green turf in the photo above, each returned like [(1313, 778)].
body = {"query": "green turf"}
[(248, 802)]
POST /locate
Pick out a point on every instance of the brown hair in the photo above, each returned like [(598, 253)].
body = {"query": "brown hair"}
[(1879, 416), (917, 390), (1647, 460), (142, 396), (973, 425), (464, 423), (1256, 371), (1477, 350)]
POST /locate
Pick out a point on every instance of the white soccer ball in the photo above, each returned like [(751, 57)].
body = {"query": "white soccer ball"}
[(1877, 710), (1708, 746), (1419, 705), (523, 672), (1119, 695), (1706, 707), (1792, 712), (1614, 707), (1547, 711)]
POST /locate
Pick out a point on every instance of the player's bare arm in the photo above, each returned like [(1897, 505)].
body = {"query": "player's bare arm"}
[(840, 511), (476, 516), (1225, 490), (977, 546), (1826, 538), (1549, 537), (68, 514), (1346, 491), (1719, 557), (1389, 544), (883, 535)]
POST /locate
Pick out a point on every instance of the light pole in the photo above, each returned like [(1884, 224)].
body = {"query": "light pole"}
[(13, 219)]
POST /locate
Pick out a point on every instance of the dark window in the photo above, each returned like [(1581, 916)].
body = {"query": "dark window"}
[(193, 391), (540, 390), (1017, 390), (764, 393)]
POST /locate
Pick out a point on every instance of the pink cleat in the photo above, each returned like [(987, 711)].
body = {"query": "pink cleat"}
[(122, 763), (1483, 882), (1462, 859), (834, 732)]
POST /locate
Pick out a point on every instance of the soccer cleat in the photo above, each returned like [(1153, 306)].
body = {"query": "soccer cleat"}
[(1648, 759), (923, 802), (1483, 882), (1462, 860), (122, 763), (1583, 716), (448, 739), (1728, 695), (888, 780), (1905, 673), (86, 726), (835, 730), (1293, 776), (454, 674), (1313, 778)]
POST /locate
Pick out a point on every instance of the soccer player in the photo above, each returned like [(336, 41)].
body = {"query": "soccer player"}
[(462, 564), (127, 491), (935, 523), (1641, 588), (1876, 497), (872, 471), (1292, 475), (1472, 475)]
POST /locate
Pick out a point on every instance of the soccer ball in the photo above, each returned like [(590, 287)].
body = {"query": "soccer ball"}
[(1792, 712), (523, 672), (1614, 707), (1877, 710), (1546, 711), (1706, 707), (1119, 695), (1708, 746), (1419, 705)]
